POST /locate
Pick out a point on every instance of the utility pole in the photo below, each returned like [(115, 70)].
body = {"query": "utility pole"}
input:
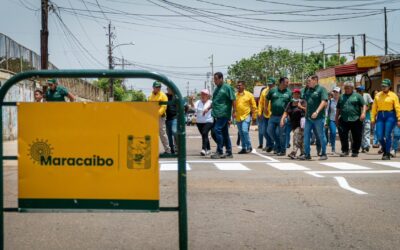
[(364, 44), (302, 60), (212, 72), (110, 62), (323, 53), (44, 36), (338, 51), (353, 48), (386, 35)]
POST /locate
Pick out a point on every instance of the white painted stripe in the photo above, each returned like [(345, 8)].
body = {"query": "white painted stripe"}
[(264, 156), (343, 165), (287, 166), (320, 173), (231, 166), (172, 167), (205, 161), (388, 163), (345, 185)]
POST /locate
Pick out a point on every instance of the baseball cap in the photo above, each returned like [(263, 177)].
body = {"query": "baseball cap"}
[(51, 81), (156, 84), (205, 91), (295, 99), (296, 91), (386, 82), (361, 87), (271, 81), (336, 89)]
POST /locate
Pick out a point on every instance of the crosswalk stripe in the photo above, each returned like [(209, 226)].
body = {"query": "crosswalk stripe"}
[(172, 167), (388, 163), (287, 166), (231, 166), (344, 165)]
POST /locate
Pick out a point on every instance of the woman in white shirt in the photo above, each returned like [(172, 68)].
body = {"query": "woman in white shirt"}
[(204, 121)]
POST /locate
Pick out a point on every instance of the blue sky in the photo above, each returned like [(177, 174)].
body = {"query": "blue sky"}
[(177, 37)]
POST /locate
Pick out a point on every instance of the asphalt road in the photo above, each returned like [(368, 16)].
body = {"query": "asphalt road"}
[(254, 201)]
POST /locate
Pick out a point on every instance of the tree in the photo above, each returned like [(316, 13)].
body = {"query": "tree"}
[(119, 88), (277, 62)]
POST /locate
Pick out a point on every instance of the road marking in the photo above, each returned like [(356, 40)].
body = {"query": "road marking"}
[(172, 167), (344, 165), (231, 166), (388, 163), (207, 161), (320, 173), (264, 156), (345, 185), (287, 166)]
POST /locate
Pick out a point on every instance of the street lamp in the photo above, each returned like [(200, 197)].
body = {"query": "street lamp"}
[(323, 53), (111, 66)]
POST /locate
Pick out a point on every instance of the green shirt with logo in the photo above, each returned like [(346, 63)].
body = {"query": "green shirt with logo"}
[(350, 107), (222, 100), (279, 100), (58, 95), (314, 97)]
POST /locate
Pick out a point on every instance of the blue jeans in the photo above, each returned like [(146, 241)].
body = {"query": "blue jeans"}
[(221, 131), (288, 130), (318, 125), (277, 133), (332, 135), (243, 128), (270, 141), (261, 125), (385, 123), (396, 138), (375, 141), (171, 126)]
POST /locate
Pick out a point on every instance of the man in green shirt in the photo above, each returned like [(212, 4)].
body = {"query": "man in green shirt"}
[(57, 93), (350, 114), (316, 98), (223, 108), (279, 97)]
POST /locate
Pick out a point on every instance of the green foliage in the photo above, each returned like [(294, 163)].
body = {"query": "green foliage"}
[(278, 62), (120, 92)]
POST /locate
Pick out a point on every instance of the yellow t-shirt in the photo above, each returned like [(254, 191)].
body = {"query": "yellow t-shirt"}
[(385, 102), (159, 97), (261, 103), (245, 104)]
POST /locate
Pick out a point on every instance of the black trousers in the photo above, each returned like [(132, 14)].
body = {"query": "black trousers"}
[(204, 129), (356, 133)]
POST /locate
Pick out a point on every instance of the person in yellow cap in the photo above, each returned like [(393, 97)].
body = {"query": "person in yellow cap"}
[(246, 111), (385, 114), (158, 96)]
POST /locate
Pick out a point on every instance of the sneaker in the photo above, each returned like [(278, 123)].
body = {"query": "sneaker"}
[(354, 155), (243, 151), (249, 150), (203, 152), (304, 158), (375, 146), (323, 158), (380, 151), (208, 152), (228, 155), (281, 154), (344, 154), (292, 155), (363, 151), (260, 147), (386, 157), (269, 149), (217, 156), (367, 149)]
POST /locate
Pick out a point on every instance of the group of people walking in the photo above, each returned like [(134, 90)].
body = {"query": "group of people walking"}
[(312, 114)]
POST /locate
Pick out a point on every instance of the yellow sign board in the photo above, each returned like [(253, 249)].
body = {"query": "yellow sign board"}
[(88, 155), (367, 61)]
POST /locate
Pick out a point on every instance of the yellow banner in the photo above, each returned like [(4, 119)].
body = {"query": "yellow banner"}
[(83, 152)]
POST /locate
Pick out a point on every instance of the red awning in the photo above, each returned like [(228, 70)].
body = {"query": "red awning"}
[(349, 70)]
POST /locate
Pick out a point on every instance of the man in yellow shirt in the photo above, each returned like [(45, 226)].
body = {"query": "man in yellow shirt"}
[(263, 117), (385, 113), (246, 110), (158, 96)]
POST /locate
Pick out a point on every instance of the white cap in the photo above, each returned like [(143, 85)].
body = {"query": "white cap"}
[(205, 91), (337, 89)]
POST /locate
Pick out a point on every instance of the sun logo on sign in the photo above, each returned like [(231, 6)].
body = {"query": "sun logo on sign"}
[(39, 149)]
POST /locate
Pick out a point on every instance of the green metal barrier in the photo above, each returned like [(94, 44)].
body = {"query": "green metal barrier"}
[(181, 141)]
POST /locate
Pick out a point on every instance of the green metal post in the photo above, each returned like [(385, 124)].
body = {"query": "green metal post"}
[(182, 203)]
